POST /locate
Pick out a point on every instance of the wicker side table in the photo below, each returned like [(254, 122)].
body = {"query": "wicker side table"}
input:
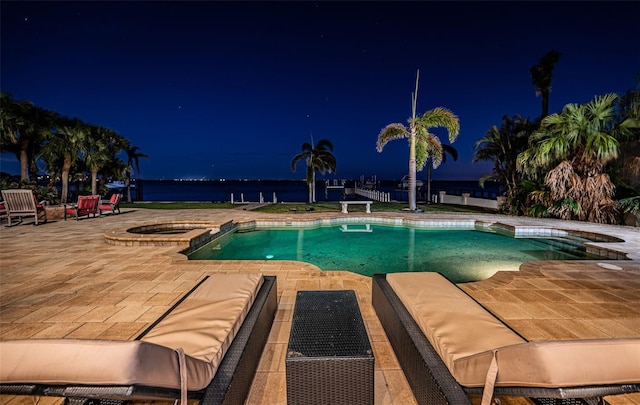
[(329, 356)]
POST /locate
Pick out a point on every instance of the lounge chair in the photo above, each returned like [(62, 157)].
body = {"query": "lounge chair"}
[(450, 347), (21, 203), (87, 205), (112, 204), (207, 347)]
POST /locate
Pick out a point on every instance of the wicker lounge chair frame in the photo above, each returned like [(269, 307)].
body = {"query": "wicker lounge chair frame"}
[(429, 377), (230, 385)]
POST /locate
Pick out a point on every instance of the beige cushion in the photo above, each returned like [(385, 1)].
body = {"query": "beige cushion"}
[(97, 362), (204, 326), (455, 325), (567, 363), (466, 336)]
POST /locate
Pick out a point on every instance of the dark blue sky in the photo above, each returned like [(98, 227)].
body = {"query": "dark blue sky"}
[(232, 89)]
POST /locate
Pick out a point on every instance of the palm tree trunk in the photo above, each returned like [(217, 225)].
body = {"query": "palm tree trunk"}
[(429, 181), (313, 186), (24, 159), (545, 103), (64, 177), (412, 169), (128, 181), (94, 182), (412, 148)]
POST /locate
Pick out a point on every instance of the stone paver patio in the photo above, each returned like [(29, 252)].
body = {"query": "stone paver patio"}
[(62, 280)]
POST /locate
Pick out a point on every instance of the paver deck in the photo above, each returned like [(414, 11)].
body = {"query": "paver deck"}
[(61, 280)]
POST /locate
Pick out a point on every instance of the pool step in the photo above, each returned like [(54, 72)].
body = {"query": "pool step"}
[(570, 246)]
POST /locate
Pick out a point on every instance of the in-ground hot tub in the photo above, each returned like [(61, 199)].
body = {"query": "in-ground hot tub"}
[(190, 234), (172, 228)]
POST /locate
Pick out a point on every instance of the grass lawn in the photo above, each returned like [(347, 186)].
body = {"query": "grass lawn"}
[(303, 207), (178, 205)]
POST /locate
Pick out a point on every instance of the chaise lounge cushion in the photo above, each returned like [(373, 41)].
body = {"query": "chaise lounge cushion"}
[(566, 363), (456, 326), (203, 325), (98, 362), (191, 325), (466, 336)]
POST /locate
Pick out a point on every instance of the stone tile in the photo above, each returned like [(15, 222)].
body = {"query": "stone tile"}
[(99, 314), (385, 358), (89, 330), (123, 331), (273, 357), (128, 314), (268, 388), (69, 314), (280, 332), (55, 330), (399, 389)]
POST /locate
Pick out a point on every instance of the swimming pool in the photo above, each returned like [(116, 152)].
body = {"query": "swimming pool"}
[(463, 253)]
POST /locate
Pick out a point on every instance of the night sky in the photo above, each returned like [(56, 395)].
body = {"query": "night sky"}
[(232, 89)]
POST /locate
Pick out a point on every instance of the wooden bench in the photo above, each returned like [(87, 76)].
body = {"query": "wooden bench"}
[(345, 204), (450, 347), (20, 203), (206, 347)]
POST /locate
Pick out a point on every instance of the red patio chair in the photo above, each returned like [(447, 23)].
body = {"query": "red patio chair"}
[(113, 204), (87, 205)]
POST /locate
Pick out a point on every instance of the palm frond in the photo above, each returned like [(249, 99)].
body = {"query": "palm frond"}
[(428, 146), (440, 117), (389, 133), (601, 146)]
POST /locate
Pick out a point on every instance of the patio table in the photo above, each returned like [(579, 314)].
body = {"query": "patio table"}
[(329, 357)]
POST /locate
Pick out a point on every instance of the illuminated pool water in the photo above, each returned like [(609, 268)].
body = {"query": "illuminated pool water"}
[(460, 254)]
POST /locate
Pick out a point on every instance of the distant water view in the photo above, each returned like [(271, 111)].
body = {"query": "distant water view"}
[(287, 190)]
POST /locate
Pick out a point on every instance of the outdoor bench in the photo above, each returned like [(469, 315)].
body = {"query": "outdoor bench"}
[(450, 347), (345, 204), (207, 347)]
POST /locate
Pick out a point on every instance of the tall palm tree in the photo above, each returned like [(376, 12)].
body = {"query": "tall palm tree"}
[(24, 127), (541, 75), (319, 158), (422, 143), (133, 157), (9, 120), (100, 151), (66, 143), (502, 147), (576, 145)]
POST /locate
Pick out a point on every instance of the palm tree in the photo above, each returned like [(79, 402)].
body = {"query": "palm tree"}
[(66, 144), (576, 145), (502, 147), (133, 157), (24, 126), (318, 158), (541, 75), (101, 150), (9, 120), (445, 149), (422, 143)]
